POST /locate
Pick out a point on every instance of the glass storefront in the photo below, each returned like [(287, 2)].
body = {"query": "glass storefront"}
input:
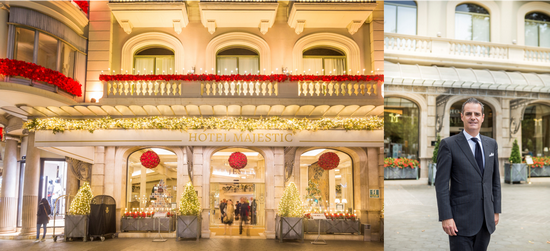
[(246, 184), (535, 130), (456, 125), (152, 189), (401, 128), (326, 190)]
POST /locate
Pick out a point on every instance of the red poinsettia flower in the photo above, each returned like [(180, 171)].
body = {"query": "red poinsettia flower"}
[(328, 160), (237, 160)]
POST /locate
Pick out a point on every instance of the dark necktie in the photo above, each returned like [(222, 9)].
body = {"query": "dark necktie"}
[(478, 156)]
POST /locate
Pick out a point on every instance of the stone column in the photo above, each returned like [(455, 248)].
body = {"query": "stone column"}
[(8, 199), (30, 189), (3, 30)]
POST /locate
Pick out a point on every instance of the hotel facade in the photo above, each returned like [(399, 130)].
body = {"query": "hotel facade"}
[(282, 82)]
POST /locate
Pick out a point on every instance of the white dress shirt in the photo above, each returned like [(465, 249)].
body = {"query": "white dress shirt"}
[(473, 145)]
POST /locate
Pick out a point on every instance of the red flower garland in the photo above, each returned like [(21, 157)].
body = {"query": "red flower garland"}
[(150, 159), (83, 5), (12, 67), (238, 160), (328, 161), (249, 77)]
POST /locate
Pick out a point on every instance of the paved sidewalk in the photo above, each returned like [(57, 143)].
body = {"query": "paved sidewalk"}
[(215, 244), (411, 219)]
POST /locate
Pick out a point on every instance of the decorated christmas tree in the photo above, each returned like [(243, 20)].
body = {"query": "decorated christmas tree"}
[(189, 204), (290, 204), (81, 203), (515, 156)]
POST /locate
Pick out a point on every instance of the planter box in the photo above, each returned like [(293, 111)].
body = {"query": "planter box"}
[(392, 173), (166, 224), (515, 173), (289, 228), (312, 226), (76, 226), (343, 226), (432, 170), (540, 172), (147, 224), (129, 224), (188, 226)]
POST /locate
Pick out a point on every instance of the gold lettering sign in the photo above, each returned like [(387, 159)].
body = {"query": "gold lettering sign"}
[(243, 137)]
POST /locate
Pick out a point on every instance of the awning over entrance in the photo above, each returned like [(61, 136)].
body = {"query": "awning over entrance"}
[(451, 77), (85, 111)]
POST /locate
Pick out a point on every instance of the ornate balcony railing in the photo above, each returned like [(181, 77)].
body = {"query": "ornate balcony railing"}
[(465, 53), (274, 86)]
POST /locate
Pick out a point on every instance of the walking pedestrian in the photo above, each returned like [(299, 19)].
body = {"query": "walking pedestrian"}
[(43, 218)]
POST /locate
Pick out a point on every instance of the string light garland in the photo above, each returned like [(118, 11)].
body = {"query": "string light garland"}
[(238, 77), (81, 203), (13, 67), (189, 203), (290, 204), (189, 123)]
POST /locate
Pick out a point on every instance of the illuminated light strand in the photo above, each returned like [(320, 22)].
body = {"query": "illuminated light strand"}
[(190, 123)]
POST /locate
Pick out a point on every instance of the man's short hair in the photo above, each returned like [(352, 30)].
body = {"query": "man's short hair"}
[(473, 101)]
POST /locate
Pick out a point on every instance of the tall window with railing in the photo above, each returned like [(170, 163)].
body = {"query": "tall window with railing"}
[(238, 60), (154, 61), (472, 22), (324, 61), (400, 17), (537, 29)]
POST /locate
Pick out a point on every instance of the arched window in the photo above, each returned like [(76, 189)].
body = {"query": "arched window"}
[(400, 17), (237, 60), (232, 184), (472, 22), (155, 60), (324, 61), (401, 128), (456, 125), (537, 29), (535, 130), (155, 188), (327, 189)]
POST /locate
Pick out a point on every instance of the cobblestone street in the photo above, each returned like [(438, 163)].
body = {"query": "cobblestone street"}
[(412, 220)]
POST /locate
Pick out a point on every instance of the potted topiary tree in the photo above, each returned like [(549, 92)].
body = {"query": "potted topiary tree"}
[(189, 218), (432, 168), (289, 219), (76, 222), (515, 171)]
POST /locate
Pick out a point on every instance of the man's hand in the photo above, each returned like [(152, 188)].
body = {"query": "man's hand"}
[(496, 220), (449, 226)]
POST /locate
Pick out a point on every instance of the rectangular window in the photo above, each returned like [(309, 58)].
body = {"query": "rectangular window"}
[(238, 64), (24, 45), (531, 34), (226, 65), (67, 60), (331, 65), (544, 35), (472, 27), (390, 18), (47, 51)]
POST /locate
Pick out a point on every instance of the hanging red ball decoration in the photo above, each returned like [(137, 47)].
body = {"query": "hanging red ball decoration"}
[(150, 159), (328, 161), (237, 160)]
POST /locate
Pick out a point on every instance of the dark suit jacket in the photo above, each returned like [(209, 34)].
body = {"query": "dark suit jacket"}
[(470, 199)]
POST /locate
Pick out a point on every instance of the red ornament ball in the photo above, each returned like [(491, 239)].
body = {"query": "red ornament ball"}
[(329, 160), (150, 159), (237, 160)]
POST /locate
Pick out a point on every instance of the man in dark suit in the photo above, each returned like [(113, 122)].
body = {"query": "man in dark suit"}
[(469, 206)]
